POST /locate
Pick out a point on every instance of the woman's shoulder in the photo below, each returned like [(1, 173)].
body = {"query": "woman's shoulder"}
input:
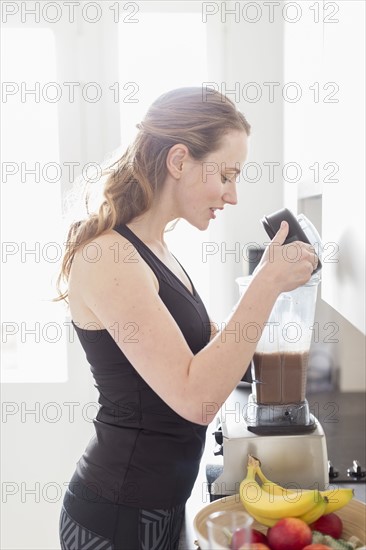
[(110, 248), (107, 256), (101, 265)]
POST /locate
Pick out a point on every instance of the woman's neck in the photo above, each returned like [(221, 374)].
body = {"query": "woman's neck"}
[(151, 225)]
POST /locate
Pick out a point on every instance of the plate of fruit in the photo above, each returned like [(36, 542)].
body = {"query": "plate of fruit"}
[(290, 519)]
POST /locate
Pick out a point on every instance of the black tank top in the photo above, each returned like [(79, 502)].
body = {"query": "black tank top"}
[(143, 453)]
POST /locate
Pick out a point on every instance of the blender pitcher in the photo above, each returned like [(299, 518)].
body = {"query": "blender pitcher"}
[(280, 361), (279, 366)]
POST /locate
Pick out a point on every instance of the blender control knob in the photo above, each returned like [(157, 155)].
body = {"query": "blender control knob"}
[(332, 472), (356, 471), (218, 450), (218, 435)]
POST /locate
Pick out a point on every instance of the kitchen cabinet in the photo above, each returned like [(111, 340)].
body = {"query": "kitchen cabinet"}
[(343, 130), (324, 134)]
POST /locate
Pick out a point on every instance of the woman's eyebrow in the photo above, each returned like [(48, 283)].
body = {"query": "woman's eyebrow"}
[(232, 169)]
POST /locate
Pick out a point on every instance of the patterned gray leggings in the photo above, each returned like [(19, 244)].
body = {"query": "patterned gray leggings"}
[(86, 524)]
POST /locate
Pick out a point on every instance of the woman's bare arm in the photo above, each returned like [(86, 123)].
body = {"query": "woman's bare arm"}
[(125, 292)]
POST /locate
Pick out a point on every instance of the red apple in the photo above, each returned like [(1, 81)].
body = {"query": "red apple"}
[(257, 536), (330, 524), (289, 534), (317, 547)]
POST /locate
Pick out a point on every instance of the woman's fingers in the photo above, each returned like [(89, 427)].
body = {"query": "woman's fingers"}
[(290, 265), (299, 252), (281, 234), (313, 257)]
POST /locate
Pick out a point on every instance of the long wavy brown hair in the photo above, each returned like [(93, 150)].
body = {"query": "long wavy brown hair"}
[(196, 117)]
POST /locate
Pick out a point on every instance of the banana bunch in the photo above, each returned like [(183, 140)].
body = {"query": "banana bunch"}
[(335, 498), (269, 502)]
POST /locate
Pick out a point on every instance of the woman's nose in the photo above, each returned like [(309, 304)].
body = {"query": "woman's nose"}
[(230, 196)]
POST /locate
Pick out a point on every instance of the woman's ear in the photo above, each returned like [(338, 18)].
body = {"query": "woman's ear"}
[(175, 160)]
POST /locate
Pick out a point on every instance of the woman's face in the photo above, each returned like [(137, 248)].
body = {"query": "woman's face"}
[(211, 184)]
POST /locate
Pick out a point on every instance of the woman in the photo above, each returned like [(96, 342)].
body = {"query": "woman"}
[(144, 327)]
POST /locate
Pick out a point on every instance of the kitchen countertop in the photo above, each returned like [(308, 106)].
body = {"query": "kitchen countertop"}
[(343, 418)]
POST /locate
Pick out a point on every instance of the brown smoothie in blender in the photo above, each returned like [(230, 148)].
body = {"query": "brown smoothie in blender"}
[(280, 378)]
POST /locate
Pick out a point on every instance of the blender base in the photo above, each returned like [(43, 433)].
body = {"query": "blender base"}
[(284, 430), (273, 419), (293, 461)]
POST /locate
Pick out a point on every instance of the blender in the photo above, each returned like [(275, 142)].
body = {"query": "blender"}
[(276, 424), (278, 404)]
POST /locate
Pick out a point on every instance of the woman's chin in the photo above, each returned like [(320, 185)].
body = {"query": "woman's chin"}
[(201, 224)]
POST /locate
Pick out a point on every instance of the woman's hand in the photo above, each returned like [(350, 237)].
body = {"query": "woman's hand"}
[(289, 266)]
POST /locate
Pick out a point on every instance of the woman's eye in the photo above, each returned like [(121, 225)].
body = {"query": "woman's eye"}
[(224, 179)]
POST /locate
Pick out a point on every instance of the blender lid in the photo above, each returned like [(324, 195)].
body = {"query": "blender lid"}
[(311, 233), (300, 229)]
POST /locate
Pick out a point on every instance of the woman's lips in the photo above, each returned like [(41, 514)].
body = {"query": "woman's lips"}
[(213, 215)]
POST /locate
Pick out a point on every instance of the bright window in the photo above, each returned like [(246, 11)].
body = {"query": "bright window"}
[(33, 330)]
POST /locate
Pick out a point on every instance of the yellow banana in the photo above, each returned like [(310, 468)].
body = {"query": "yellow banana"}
[(260, 503), (311, 516), (267, 484), (315, 513), (335, 498)]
